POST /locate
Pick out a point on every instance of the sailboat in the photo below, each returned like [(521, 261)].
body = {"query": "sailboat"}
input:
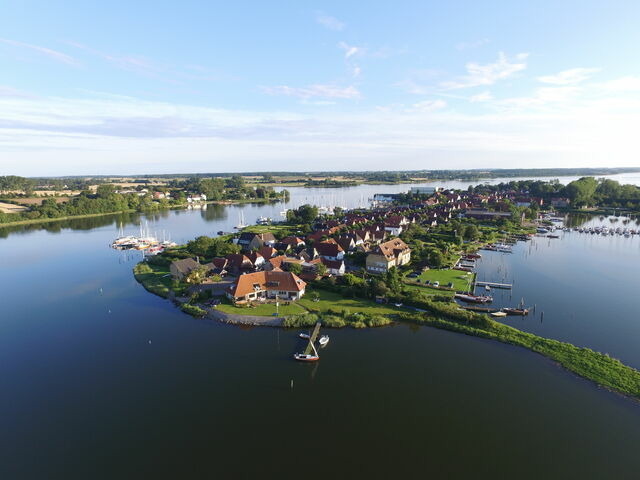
[(241, 224), (303, 357)]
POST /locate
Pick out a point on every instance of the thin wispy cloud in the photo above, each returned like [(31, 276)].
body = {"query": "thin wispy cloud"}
[(132, 63), (47, 52), (327, 21), (120, 132), (428, 105), (569, 77), (350, 54), (314, 91), (473, 44), (349, 50), (488, 74), (481, 97), (6, 91), (629, 83)]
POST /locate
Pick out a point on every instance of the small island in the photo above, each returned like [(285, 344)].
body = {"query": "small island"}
[(403, 261)]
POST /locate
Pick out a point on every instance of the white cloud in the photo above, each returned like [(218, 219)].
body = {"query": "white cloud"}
[(624, 84), (329, 22), (429, 105), (52, 54), (569, 77), (543, 97), (114, 134), (349, 50), (478, 75), (6, 91), (481, 97), (317, 90)]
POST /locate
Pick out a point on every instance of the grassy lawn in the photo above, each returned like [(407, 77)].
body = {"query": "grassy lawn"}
[(278, 230), (335, 301), (262, 310), (428, 291), (460, 279), (154, 278)]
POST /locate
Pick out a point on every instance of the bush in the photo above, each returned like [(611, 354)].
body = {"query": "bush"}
[(193, 310), (333, 321), (303, 320)]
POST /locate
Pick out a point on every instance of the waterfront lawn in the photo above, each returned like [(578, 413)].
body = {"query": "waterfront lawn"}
[(336, 302), (461, 281), (262, 310), (278, 230), (154, 278), (425, 290)]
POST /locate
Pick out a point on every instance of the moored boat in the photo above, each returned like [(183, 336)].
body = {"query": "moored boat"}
[(324, 339), (303, 357), (498, 314), (516, 311)]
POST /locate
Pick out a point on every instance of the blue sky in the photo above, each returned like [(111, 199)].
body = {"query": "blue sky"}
[(160, 87)]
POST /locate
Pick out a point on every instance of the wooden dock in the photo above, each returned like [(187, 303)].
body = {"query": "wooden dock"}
[(481, 309), (312, 339), (506, 286)]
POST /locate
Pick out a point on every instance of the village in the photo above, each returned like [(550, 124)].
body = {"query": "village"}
[(370, 263)]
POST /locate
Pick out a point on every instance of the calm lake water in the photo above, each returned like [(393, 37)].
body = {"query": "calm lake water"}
[(100, 379)]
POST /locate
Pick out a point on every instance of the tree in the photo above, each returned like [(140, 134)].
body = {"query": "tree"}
[(295, 268), (200, 245), (104, 190), (471, 232), (392, 280), (237, 181), (321, 269), (213, 188), (196, 275), (304, 214), (436, 259), (581, 192)]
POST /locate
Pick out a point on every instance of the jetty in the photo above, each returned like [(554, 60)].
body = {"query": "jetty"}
[(506, 286), (312, 339), (481, 309)]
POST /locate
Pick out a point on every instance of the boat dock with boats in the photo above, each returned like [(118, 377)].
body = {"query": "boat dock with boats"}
[(310, 353), (505, 286)]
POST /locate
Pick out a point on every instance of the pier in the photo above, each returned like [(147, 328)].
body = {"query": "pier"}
[(312, 339), (506, 286), (481, 309)]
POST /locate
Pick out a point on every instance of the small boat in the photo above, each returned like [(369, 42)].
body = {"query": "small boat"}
[(241, 224), (304, 335), (516, 311), (487, 288), (302, 357), (553, 236), (324, 339), (499, 314)]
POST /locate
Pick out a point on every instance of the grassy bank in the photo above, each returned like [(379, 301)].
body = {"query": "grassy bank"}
[(60, 219), (598, 367), (262, 310), (154, 278), (460, 279)]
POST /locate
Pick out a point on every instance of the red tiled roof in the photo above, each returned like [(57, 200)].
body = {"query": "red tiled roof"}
[(267, 280)]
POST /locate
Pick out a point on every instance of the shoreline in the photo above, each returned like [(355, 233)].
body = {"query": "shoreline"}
[(36, 221), (601, 369)]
